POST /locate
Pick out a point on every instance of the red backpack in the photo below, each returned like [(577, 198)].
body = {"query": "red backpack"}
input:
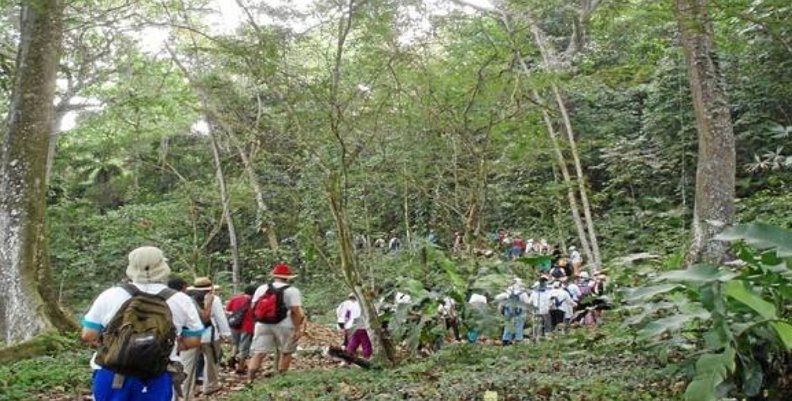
[(271, 308)]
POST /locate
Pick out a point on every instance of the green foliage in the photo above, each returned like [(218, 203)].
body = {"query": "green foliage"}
[(63, 370), (735, 316), (553, 370)]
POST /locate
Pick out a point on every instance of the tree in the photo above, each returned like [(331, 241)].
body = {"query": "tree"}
[(715, 172), (27, 303)]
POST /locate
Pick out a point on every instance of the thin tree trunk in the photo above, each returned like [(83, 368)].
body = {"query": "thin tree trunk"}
[(27, 300), (408, 240), (552, 63), (581, 182), (263, 221), (587, 235), (573, 205), (350, 271), (336, 192), (715, 173), (52, 145), (228, 216)]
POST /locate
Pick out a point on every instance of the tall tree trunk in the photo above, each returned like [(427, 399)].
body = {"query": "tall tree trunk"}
[(573, 205), (263, 219), (587, 235), (228, 216), (581, 181), (715, 172), (27, 301), (350, 268)]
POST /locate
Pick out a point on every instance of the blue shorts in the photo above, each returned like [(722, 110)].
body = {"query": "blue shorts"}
[(159, 388)]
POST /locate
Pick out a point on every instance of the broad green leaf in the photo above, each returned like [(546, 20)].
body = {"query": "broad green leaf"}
[(671, 323), (711, 371), (641, 294), (697, 274), (784, 331), (761, 236), (738, 290)]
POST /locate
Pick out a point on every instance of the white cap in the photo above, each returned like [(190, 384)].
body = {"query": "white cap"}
[(572, 248)]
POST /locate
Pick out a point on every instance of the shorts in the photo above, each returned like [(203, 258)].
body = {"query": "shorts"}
[(159, 388), (273, 338), (242, 341)]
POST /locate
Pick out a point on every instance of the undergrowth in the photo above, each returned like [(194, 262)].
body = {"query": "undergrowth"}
[(66, 372), (598, 365)]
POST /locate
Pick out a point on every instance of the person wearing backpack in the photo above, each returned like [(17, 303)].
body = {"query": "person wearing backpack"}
[(240, 318), (217, 329), (138, 328), (277, 309), (513, 307)]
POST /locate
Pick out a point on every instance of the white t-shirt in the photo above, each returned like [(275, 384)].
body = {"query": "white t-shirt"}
[(477, 299), (563, 301), (402, 298), (448, 308), (574, 256), (291, 297), (185, 315), (219, 322), (341, 311), (540, 300)]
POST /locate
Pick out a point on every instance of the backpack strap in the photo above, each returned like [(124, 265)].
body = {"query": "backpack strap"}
[(131, 289), (166, 293)]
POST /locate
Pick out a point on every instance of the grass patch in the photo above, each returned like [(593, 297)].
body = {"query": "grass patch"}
[(557, 370)]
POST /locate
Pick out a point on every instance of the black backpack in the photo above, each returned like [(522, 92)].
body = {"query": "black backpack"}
[(238, 316)]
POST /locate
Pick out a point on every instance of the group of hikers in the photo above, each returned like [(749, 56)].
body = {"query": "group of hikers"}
[(158, 337), (155, 335)]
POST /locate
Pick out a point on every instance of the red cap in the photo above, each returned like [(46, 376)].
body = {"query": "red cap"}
[(282, 270)]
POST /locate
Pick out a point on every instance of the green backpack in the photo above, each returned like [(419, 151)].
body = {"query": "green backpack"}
[(140, 337)]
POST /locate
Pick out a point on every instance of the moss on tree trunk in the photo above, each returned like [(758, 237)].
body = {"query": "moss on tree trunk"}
[(27, 302)]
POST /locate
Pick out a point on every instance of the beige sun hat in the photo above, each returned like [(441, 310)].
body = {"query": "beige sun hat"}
[(147, 264)]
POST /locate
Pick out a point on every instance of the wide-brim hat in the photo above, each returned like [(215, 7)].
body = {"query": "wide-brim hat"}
[(204, 284), (147, 265), (282, 270)]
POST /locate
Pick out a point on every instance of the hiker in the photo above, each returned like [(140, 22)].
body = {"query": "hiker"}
[(513, 306), (277, 308), (559, 270), (138, 357), (356, 325), (477, 311), (447, 311), (517, 247), (240, 318), (575, 259), (394, 244), (539, 300), (343, 315), (543, 247), (459, 242), (561, 305), (217, 329)]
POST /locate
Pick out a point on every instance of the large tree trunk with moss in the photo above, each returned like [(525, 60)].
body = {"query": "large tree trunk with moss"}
[(715, 173), (27, 302)]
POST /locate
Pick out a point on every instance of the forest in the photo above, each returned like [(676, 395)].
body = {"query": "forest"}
[(411, 148)]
